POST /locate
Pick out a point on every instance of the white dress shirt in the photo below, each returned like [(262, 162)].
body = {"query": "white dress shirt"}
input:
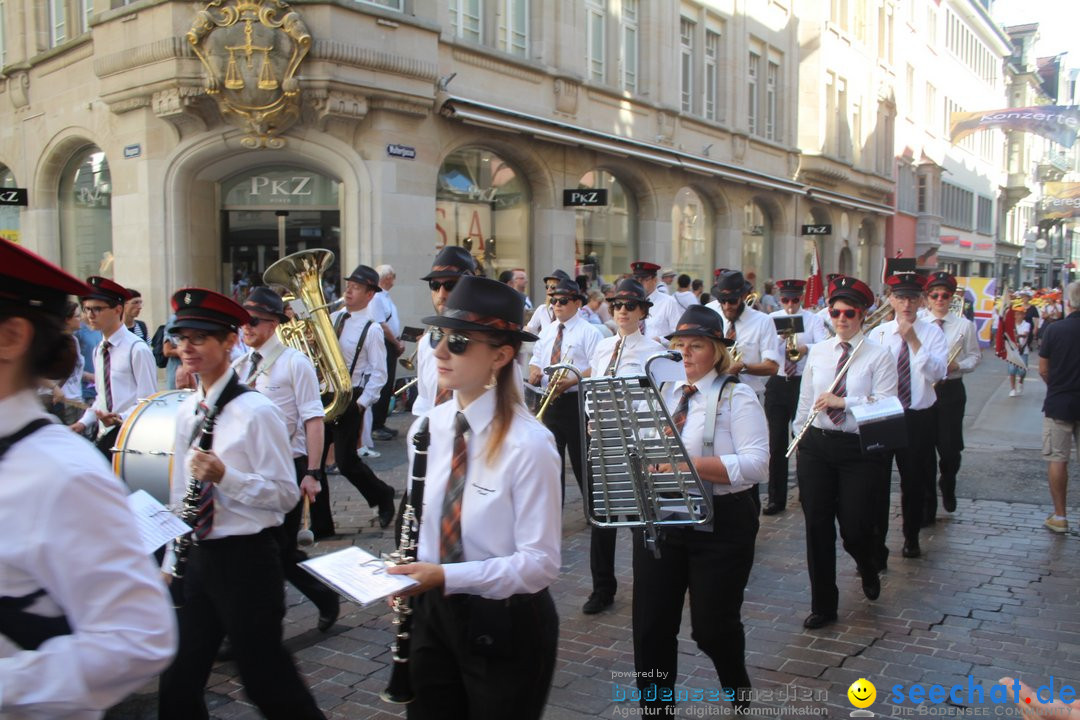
[(541, 318), (872, 374), (259, 485), (132, 375), (511, 509), (663, 316), (635, 352), (962, 330), (741, 438), (814, 332), (385, 311), (72, 387), (427, 374), (369, 372), (927, 365), (756, 339), (579, 342), (67, 530), (686, 298), (291, 384)]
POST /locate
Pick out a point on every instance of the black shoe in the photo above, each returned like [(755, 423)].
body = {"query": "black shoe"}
[(871, 586), (225, 652), (815, 621), (329, 616), (386, 508), (597, 602), (911, 550), (772, 509), (383, 434), (948, 501), (332, 470)]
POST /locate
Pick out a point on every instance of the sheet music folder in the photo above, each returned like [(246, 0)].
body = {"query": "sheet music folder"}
[(357, 574)]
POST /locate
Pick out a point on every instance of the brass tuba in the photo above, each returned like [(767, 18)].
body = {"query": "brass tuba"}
[(311, 331)]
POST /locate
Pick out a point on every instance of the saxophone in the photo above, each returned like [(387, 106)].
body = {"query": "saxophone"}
[(399, 689)]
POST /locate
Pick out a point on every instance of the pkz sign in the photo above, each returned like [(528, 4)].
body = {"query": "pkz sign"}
[(817, 229), (14, 196), (584, 197)]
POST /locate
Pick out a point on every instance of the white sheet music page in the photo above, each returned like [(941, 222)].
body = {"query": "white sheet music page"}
[(357, 574), (880, 409), (156, 524)]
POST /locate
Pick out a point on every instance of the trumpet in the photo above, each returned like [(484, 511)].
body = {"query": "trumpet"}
[(553, 387), (813, 414), (409, 363), (881, 315), (791, 346), (751, 299)]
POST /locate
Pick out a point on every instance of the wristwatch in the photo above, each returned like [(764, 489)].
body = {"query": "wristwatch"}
[(316, 473)]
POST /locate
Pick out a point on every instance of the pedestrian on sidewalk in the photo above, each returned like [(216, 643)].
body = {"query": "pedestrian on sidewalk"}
[(1059, 367), (1013, 346)]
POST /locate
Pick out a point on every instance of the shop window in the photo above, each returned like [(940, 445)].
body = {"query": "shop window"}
[(482, 204), (9, 214), (691, 233), (85, 204), (757, 244), (606, 241)]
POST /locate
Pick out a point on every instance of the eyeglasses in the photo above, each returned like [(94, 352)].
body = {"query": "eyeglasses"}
[(551, 288), (95, 309), (256, 321), (630, 305), (195, 339), (560, 301), (455, 343), (907, 298), (729, 300), (437, 285), (790, 300), (849, 313), (940, 296)]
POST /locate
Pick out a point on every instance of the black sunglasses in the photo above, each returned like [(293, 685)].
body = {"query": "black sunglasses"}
[(791, 300), (560, 301), (455, 343), (256, 321), (940, 295), (729, 300), (630, 305), (849, 313), (437, 285)]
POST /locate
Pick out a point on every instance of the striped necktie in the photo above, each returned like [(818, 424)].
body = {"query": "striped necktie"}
[(837, 414), (556, 347), (106, 369), (730, 334), (903, 375), (678, 419), (451, 549), (611, 368), (256, 358)]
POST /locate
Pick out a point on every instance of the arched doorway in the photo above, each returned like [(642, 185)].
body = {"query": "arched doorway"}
[(85, 204), (845, 261), (691, 235), (606, 236)]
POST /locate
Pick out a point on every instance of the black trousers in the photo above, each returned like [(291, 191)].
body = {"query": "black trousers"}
[(949, 440), (234, 586), (478, 659), (714, 566), (915, 463), (323, 597), (781, 402), (381, 409), (563, 419), (837, 484), (106, 442), (343, 433)]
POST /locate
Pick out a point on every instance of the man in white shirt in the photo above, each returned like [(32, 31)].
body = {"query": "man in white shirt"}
[(545, 314), (684, 295), (782, 390), (361, 340), (124, 367), (920, 352), (665, 312), (962, 341), (667, 281), (571, 340), (288, 378), (385, 312)]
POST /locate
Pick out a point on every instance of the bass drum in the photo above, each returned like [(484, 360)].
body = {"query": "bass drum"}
[(143, 454)]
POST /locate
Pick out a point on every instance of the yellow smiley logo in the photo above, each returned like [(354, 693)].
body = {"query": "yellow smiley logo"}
[(862, 693)]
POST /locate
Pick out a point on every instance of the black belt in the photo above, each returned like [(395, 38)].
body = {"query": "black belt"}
[(837, 434), (728, 498), (953, 381), (512, 601), (237, 539)]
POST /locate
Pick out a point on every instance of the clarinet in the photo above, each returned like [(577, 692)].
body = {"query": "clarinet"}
[(399, 689), (189, 513)]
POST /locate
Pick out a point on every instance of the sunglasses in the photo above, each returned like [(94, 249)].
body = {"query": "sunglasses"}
[(437, 285), (551, 288), (729, 300), (939, 296), (849, 313), (256, 321), (630, 305), (455, 343), (560, 301), (790, 300)]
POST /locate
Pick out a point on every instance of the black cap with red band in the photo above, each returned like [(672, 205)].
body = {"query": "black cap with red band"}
[(31, 281), (791, 288), (850, 290), (106, 290), (943, 279), (202, 309)]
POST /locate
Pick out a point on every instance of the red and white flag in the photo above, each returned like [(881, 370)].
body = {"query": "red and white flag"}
[(815, 284)]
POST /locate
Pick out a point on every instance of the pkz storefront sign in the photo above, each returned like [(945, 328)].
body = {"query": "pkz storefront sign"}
[(817, 229), (14, 196), (280, 186), (584, 197)]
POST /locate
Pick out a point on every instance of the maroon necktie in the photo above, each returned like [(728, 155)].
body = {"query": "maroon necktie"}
[(106, 367), (679, 418), (614, 356), (730, 334), (903, 375), (837, 414), (556, 347), (451, 549)]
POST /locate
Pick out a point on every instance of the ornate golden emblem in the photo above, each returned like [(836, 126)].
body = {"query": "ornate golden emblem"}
[(251, 50)]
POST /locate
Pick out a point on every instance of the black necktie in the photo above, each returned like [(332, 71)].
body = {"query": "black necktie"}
[(256, 358), (106, 368)]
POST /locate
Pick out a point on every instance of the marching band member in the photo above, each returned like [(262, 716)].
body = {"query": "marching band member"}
[(288, 378), (545, 314), (919, 350), (823, 313), (665, 311), (569, 339), (84, 617), (485, 630), (782, 390), (837, 482), (233, 584), (450, 265), (124, 368), (362, 345), (951, 395), (713, 563), (625, 353)]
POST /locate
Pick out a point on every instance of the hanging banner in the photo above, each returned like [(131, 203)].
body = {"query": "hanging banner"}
[(1059, 123), (979, 295), (1061, 200)]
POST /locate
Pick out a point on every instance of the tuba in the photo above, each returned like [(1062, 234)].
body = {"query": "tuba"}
[(311, 331)]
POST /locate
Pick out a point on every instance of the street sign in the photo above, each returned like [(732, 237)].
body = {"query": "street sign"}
[(14, 196), (1058, 260), (817, 229), (584, 197), (402, 151)]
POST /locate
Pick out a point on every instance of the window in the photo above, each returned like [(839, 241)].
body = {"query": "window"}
[(922, 203), (831, 119), (514, 27), (594, 41), (931, 25), (930, 108), (753, 70), (885, 33), (605, 236), (838, 13), (909, 87), (772, 117), (686, 64), (57, 22), (388, 4), (630, 45), (712, 75), (843, 131), (856, 132), (85, 203), (3, 34), (691, 248), (883, 158), (465, 19), (905, 189), (87, 11), (957, 207), (985, 216)]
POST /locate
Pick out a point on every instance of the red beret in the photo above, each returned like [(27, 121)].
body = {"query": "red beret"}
[(850, 290), (102, 288), (30, 280), (644, 268), (201, 309)]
